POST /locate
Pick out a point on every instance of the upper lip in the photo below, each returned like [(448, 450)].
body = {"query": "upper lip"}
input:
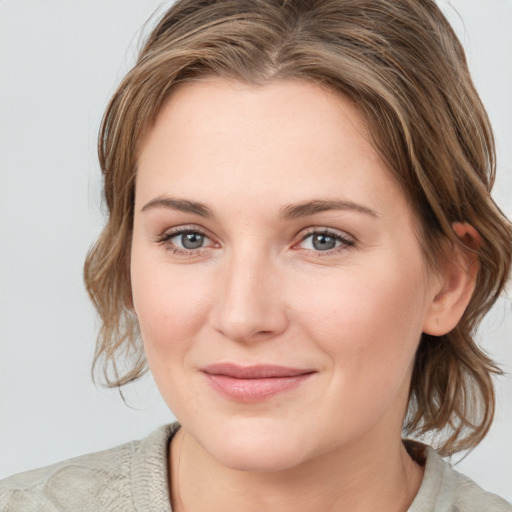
[(260, 371)]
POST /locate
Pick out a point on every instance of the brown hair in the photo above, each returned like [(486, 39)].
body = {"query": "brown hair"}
[(401, 62)]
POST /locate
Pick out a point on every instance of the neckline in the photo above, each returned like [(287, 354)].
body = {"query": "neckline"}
[(150, 471)]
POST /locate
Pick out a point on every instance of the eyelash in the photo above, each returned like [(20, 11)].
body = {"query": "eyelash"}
[(346, 242), (165, 238)]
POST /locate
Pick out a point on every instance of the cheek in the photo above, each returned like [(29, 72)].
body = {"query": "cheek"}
[(171, 308), (360, 301), (368, 321)]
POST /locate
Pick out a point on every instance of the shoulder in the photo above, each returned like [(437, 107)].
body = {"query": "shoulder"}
[(467, 495), (446, 490), (114, 479), (92, 478)]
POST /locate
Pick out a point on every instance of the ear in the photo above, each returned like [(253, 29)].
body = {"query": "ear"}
[(456, 282)]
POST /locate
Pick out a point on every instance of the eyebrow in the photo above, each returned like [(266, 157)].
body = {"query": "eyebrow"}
[(295, 211), (182, 205), (291, 211)]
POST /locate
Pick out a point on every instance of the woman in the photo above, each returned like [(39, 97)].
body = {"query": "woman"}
[(300, 244)]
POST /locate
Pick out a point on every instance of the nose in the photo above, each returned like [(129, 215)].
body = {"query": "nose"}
[(250, 306)]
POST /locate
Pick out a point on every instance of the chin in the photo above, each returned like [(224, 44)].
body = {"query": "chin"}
[(255, 457), (255, 445)]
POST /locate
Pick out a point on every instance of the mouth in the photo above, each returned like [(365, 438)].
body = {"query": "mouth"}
[(254, 383)]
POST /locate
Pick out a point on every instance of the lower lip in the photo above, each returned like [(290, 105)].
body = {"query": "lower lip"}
[(254, 390)]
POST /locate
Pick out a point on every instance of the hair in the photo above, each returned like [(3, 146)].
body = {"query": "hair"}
[(402, 64)]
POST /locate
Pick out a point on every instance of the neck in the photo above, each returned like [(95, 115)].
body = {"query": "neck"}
[(361, 477)]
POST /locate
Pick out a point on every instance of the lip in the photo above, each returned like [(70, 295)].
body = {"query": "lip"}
[(254, 383)]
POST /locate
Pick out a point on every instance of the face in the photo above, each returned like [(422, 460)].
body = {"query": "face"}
[(276, 274)]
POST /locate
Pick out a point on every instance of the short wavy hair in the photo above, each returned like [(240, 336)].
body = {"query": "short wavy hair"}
[(402, 64)]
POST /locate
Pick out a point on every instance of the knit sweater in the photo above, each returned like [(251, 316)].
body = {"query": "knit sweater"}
[(133, 477)]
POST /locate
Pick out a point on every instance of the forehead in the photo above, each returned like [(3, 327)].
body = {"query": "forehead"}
[(287, 140)]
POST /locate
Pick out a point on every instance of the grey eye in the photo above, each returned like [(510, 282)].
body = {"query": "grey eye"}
[(191, 240), (322, 242)]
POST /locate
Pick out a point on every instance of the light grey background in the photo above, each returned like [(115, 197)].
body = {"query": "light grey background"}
[(60, 61)]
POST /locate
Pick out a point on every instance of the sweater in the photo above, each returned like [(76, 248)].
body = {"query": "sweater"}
[(133, 477)]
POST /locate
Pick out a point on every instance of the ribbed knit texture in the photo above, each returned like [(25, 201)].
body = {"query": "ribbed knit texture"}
[(133, 477)]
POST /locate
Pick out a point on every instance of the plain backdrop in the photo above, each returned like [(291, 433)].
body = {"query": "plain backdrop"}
[(60, 61)]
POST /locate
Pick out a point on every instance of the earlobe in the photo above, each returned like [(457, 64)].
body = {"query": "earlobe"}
[(456, 283)]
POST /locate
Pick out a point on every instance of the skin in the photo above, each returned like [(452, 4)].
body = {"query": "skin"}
[(259, 291)]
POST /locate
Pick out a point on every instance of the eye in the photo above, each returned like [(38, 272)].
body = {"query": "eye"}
[(325, 241), (189, 240), (185, 240)]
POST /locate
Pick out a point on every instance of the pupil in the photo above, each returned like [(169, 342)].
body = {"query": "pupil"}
[(323, 242), (192, 240)]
